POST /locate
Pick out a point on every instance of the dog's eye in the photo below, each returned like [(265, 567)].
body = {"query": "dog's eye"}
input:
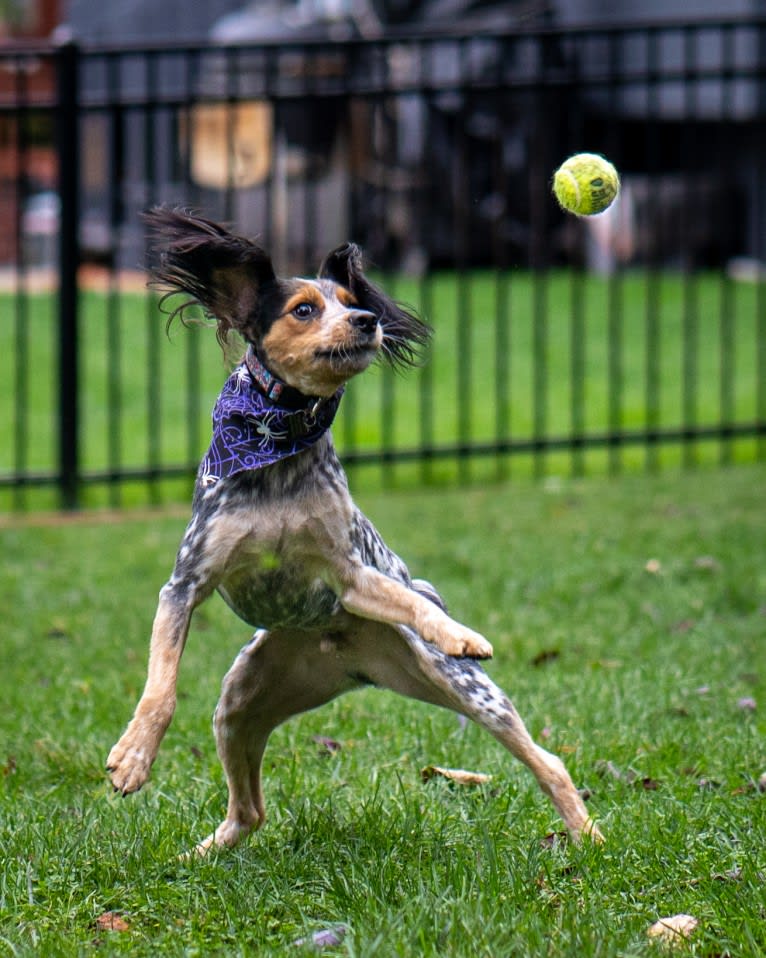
[(304, 310)]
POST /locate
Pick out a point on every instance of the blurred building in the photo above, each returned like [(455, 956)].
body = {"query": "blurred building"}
[(384, 168)]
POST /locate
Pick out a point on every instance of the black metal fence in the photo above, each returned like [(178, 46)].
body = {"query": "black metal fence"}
[(630, 340)]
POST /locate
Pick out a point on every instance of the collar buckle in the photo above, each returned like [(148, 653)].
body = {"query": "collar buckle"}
[(310, 414)]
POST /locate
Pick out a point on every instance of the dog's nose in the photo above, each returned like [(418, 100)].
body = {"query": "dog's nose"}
[(363, 320)]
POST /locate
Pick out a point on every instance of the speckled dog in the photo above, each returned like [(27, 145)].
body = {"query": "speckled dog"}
[(276, 532)]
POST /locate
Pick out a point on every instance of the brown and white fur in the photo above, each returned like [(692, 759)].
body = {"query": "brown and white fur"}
[(334, 607)]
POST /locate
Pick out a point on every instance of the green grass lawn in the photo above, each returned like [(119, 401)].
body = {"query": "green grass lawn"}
[(515, 356), (628, 618)]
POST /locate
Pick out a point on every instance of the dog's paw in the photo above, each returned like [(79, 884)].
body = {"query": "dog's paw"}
[(227, 835), (471, 645), (461, 642), (451, 637), (128, 768), (591, 831)]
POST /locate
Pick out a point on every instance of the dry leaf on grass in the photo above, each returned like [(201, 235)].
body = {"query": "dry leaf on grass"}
[(650, 784), (733, 874), (111, 921), (679, 711), (544, 657), (553, 839), (674, 929), (458, 775), (631, 777)]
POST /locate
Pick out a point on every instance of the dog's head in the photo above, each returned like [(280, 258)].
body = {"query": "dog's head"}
[(314, 334)]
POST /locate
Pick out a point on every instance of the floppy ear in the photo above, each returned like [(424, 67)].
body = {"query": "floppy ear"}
[(405, 335), (224, 273)]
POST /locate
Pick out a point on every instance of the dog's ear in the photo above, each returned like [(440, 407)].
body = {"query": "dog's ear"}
[(405, 335), (226, 274)]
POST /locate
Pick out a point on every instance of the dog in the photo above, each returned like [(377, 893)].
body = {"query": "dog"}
[(275, 531)]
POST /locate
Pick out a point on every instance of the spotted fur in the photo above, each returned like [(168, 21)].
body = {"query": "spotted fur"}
[(333, 606)]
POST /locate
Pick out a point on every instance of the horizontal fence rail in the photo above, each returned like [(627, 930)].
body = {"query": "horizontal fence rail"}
[(561, 346)]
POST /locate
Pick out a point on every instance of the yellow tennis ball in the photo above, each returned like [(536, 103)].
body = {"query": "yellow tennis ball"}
[(586, 184)]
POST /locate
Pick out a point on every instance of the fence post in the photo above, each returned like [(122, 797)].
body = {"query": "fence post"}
[(68, 154)]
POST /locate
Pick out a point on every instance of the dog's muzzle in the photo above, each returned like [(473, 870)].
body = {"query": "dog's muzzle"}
[(363, 320)]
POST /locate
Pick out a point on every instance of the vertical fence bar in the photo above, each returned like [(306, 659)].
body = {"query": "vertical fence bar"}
[(540, 370), (461, 224), (542, 106), (425, 198), (727, 313), (426, 393), (388, 415), (761, 368), (388, 105), (727, 362), (615, 305), (153, 361), (501, 264), (615, 373), (577, 349), (190, 69), (689, 378), (349, 409), (652, 383), (115, 158), (502, 369), (690, 319), (68, 153), (21, 299), (760, 245)]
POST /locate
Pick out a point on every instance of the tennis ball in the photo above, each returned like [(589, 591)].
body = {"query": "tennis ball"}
[(586, 184)]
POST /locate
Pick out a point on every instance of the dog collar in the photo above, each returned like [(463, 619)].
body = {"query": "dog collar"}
[(273, 388), (259, 420)]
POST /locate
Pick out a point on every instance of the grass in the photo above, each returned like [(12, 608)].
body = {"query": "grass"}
[(515, 356), (655, 667)]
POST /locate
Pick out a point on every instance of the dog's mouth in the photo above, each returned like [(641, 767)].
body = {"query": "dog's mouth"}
[(345, 356)]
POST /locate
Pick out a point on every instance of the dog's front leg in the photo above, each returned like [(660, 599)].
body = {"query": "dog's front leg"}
[(372, 595), (131, 758)]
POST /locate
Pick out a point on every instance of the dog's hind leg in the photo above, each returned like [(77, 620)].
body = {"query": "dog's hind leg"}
[(397, 659), (280, 674), (277, 675)]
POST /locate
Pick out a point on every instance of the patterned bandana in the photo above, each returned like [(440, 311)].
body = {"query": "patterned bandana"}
[(250, 430)]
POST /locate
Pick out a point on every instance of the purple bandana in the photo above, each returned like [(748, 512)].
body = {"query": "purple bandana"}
[(251, 431)]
